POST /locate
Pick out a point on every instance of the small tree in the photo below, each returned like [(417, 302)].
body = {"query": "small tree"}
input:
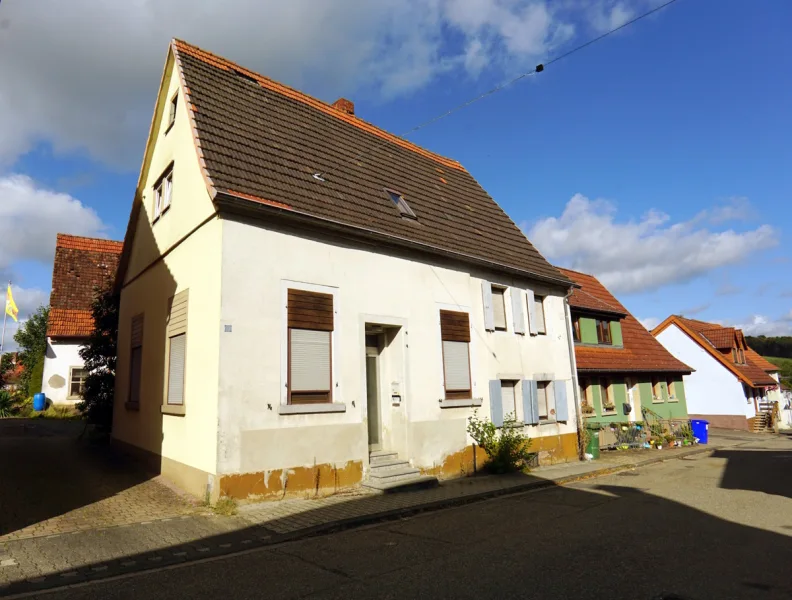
[(32, 340), (99, 356), (508, 449), (6, 365)]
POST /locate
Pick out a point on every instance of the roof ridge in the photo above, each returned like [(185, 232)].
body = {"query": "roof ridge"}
[(83, 237), (295, 94)]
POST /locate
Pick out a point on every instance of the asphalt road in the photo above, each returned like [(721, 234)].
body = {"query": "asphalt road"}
[(700, 528)]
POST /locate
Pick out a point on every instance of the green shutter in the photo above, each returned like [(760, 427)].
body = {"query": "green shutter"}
[(588, 330), (616, 333)]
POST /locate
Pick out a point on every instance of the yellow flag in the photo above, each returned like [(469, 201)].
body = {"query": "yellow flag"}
[(11, 307)]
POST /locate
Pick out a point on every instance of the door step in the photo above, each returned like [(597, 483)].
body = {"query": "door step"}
[(389, 473)]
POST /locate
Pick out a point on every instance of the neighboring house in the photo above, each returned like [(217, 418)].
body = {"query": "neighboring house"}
[(81, 265), (12, 379), (308, 301), (785, 408), (621, 367), (732, 386)]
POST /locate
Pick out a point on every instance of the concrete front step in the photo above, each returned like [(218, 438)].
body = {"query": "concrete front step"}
[(382, 456), (387, 486), (386, 465), (394, 474)]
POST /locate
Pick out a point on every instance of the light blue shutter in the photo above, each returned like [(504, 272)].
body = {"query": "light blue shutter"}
[(489, 316), (560, 391), (517, 310), (531, 312), (496, 402), (530, 402)]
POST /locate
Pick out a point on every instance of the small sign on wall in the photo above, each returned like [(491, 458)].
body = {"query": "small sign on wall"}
[(396, 393)]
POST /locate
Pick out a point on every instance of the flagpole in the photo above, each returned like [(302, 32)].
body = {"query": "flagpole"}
[(5, 316)]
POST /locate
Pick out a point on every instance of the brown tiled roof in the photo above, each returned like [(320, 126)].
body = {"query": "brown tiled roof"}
[(81, 264), (641, 353), (262, 141), (704, 333), (584, 299), (721, 338), (760, 361)]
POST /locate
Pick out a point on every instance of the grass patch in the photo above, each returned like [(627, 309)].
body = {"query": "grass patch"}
[(785, 366), (225, 506)]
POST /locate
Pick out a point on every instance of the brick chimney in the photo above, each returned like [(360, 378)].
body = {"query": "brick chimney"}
[(345, 106)]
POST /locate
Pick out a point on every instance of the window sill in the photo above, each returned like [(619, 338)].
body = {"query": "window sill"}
[(462, 403), (173, 409), (609, 413), (307, 409), (132, 406), (548, 422), (658, 401)]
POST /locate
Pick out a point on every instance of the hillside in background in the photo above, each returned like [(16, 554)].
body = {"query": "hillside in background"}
[(771, 346), (785, 364)]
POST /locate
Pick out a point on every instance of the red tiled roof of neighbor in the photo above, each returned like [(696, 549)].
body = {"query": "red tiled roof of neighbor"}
[(81, 264), (641, 353), (260, 143), (701, 332)]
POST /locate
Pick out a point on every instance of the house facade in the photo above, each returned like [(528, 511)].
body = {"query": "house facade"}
[(81, 265), (293, 320), (621, 368), (732, 386)]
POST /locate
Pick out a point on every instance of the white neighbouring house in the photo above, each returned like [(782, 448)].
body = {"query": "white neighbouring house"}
[(296, 321), (732, 386), (81, 265)]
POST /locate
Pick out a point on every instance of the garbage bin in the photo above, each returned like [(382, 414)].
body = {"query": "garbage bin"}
[(700, 429), (39, 402), (592, 447)]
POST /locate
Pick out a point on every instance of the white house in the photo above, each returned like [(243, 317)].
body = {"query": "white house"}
[(81, 264), (309, 302), (732, 386)]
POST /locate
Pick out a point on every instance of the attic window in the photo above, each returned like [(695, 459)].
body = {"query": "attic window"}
[(172, 113), (401, 204)]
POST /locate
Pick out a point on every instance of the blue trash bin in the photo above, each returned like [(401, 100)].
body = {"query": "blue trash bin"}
[(39, 402), (700, 429)]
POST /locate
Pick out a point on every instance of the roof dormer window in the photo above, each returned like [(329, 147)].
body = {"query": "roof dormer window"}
[(401, 204)]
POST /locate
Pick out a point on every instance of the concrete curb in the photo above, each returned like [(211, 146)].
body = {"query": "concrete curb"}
[(389, 515)]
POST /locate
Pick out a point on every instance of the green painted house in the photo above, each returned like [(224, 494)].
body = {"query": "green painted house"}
[(621, 367)]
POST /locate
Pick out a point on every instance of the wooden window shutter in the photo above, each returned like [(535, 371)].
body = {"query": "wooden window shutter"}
[(496, 402), (517, 310), (137, 331), (310, 310), (530, 401), (561, 407), (489, 315), (532, 327), (454, 326), (176, 360), (177, 313)]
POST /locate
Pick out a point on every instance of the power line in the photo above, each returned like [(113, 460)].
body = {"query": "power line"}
[(537, 69)]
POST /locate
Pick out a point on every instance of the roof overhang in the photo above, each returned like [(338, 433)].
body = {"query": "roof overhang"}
[(274, 211)]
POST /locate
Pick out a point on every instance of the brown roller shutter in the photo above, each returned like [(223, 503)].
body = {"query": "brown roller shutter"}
[(310, 310), (454, 326)]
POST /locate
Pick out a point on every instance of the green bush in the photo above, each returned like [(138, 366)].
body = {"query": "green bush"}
[(508, 449), (36, 375), (6, 404)]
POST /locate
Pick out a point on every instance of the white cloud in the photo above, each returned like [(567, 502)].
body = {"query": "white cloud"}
[(763, 325), (31, 216), (605, 15), (650, 322), (737, 208), (642, 255), (85, 78), (694, 310)]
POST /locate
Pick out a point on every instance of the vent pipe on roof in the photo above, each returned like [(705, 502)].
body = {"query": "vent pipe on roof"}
[(345, 106)]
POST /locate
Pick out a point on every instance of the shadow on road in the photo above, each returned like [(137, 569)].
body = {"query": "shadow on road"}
[(611, 540), (767, 471), (46, 472)]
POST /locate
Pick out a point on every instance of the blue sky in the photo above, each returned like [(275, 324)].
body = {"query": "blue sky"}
[(657, 159)]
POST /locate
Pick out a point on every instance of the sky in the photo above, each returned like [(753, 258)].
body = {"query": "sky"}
[(657, 159)]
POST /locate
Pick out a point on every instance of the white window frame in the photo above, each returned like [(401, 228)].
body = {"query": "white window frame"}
[(549, 394), (515, 385), (337, 404), (539, 299), (607, 393), (172, 107), (500, 291), (472, 348), (71, 396), (162, 202)]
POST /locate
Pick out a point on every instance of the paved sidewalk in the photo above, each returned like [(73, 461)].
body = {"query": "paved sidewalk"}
[(45, 562)]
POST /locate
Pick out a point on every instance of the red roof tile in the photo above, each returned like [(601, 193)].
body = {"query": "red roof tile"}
[(81, 264), (641, 352), (760, 361), (712, 337)]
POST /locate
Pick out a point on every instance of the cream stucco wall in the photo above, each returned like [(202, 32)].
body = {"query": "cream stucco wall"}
[(189, 441), (260, 264), (59, 359)]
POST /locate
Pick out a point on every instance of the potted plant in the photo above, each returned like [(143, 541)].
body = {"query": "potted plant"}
[(608, 407), (587, 409), (670, 439)]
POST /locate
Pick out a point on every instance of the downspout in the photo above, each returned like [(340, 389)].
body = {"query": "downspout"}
[(573, 363)]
